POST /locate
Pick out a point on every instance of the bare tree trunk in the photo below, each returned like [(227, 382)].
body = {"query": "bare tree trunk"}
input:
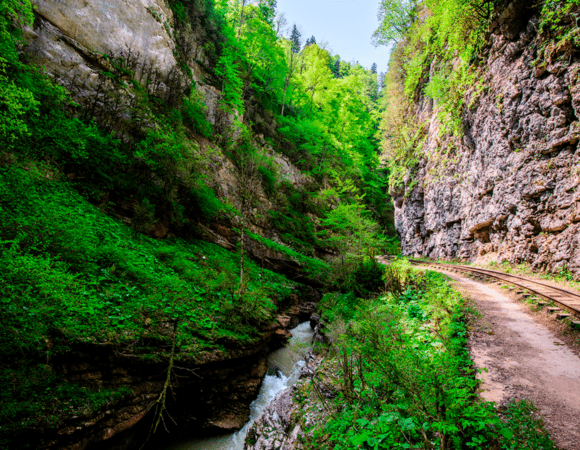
[(241, 19), (160, 403), (284, 98), (242, 243), (287, 82)]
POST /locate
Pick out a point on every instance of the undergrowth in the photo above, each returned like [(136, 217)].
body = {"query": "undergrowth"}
[(75, 276), (398, 375)]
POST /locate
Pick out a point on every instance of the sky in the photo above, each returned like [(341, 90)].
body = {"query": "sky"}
[(346, 25)]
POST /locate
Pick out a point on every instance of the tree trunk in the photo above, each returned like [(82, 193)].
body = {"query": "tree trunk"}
[(242, 243), (241, 19), (284, 98), (160, 403), (287, 82)]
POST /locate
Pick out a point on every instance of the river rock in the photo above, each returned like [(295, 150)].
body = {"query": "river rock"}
[(270, 431), (277, 428)]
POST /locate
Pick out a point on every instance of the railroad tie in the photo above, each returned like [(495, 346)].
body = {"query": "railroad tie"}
[(552, 310), (561, 316)]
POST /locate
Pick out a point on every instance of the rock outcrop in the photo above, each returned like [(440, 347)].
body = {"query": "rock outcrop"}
[(278, 427), (97, 49), (510, 187)]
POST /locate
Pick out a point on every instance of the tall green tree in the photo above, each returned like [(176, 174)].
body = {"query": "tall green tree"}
[(395, 18), (295, 40), (311, 40), (267, 10), (295, 46)]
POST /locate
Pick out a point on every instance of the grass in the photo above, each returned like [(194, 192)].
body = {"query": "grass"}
[(563, 276)]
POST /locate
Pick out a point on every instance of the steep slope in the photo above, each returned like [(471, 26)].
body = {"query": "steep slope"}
[(175, 181), (506, 185)]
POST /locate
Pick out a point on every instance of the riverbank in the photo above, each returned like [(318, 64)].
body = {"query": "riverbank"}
[(284, 367), (397, 373)]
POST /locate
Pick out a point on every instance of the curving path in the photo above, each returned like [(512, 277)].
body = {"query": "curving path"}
[(523, 358), (565, 299)]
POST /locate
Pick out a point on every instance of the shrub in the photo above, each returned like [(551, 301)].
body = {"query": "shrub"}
[(194, 112), (403, 376), (207, 203), (367, 278), (268, 179)]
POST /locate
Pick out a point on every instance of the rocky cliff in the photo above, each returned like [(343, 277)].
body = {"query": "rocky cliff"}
[(105, 53), (508, 188)]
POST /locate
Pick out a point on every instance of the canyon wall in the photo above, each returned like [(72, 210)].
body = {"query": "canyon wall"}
[(83, 45), (506, 190), (98, 50)]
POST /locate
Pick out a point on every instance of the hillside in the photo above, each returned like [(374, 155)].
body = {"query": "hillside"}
[(183, 182), (174, 176)]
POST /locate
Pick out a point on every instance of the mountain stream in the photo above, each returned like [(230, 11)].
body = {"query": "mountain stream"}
[(284, 366)]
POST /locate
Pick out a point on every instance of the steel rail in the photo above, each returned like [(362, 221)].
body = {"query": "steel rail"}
[(553, 294)]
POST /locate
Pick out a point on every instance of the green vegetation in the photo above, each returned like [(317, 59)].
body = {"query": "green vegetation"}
[(440, 46), (435, 56), (561, 275), (401, 375), (557, 18), (87, 182), (71, 276), (312, 266)]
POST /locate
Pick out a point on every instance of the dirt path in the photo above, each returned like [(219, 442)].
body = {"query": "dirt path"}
[(525, 359)]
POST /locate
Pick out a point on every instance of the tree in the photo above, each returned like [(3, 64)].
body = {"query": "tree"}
[(349, 228), (374, 68), (310, 41), (241, 19), (395, 18), (381, 80), (295, 40), (295, 46), (247, 192), (280, 24), (317, 75), (336, 68), (267, 9)]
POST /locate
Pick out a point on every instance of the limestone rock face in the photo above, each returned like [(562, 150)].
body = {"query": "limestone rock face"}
[(97, 49), (512, 190), (113, 27), (70, 37)]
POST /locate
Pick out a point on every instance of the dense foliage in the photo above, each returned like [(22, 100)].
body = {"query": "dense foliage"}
[(398, 375), (87, 181), (71, 276)]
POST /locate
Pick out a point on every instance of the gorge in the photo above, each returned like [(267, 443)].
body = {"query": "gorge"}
[(183, 182)]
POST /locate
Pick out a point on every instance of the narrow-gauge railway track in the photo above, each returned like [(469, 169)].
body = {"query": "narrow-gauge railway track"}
[(566, 299)]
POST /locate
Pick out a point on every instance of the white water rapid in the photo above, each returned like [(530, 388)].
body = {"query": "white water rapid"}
[(284, 365)]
